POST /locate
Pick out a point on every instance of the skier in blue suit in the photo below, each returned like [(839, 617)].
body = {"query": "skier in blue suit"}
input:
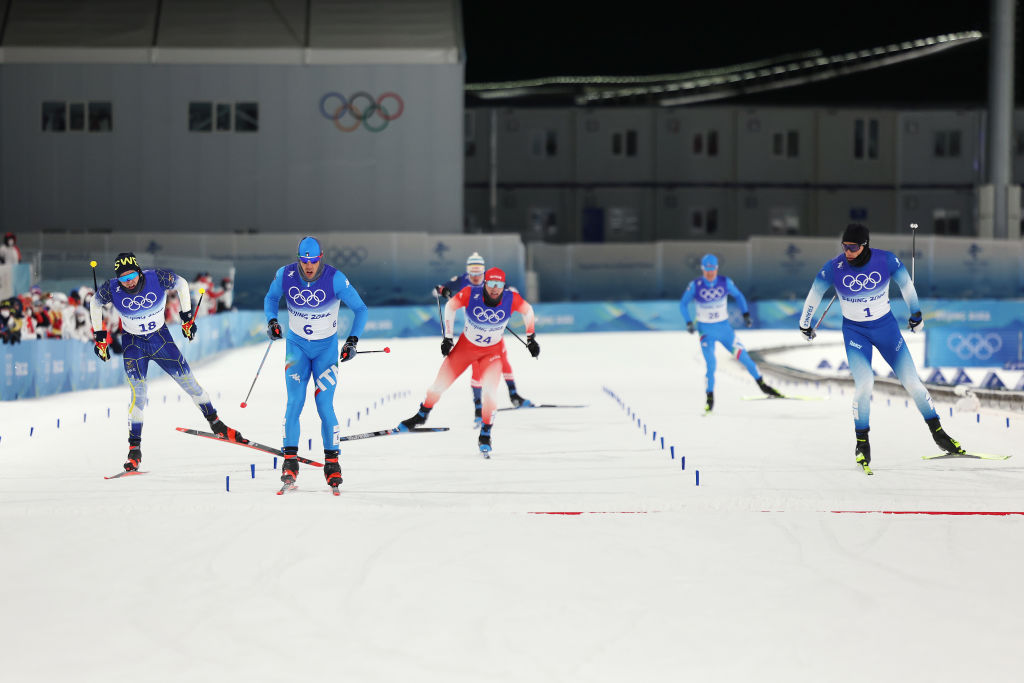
[(312, 291), (861, 276), (710, 293)]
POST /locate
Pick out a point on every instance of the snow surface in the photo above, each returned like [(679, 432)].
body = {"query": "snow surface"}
[(432, 565)]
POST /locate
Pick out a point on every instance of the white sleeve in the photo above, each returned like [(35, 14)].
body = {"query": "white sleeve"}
[(181, 287), (96, 313)]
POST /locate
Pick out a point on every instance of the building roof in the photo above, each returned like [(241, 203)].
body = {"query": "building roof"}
[(231, 31)]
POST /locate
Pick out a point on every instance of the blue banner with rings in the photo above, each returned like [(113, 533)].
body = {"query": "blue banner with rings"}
[(962, 346)]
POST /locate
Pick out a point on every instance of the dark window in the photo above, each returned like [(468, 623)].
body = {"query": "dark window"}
[(858, 139), (873, 139), (101, 117), (630, 143), (697, 220), (200, 117), (551, 143), (712, 143), (712, 221), (698, 143), (793, 144), (940, 144), (247, 117), (778, 144), (54, 117), (223, 116), (76, 116), (617, 144), (954, 143)]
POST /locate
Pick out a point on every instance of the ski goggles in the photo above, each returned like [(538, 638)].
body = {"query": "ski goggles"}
[(475, 270), (853, 247), (309, 259), (494, 283), (127, 276)]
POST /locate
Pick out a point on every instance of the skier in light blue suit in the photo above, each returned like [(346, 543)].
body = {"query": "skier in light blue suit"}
[(861, 276), (710, 294), (312, 292)]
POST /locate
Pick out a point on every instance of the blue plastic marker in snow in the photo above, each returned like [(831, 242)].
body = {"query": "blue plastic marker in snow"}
[(662, 443), (1007, 423), (30, 430), (252, 468), (275, 462), (311, 444), (83, 417), (108, 412), (979, 418), (672, 451), (58, 423), (682, 462), (654, 436), (697, 477), (227, 483)]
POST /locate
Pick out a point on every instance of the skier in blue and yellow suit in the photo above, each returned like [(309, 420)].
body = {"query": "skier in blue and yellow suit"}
[(312, 291)]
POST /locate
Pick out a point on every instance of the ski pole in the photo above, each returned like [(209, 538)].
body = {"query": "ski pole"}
[(913, 249), (520, 339), (440, 316), (825, 313), (386, 349), (257, 373)]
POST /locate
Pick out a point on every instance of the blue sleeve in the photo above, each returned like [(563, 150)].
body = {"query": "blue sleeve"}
[(103, 295), (167, 278), (684, 303), (348, 294), (902, 278), (822, 281), (731, 287), (272, 300)]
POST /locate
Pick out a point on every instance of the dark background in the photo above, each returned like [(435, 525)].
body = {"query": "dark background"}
[(529, 39)]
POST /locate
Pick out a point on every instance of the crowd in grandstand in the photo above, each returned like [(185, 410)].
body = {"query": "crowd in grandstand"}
[(55, 315)]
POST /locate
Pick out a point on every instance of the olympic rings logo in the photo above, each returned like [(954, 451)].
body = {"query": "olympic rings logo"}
[(489, 315), (975, 345), (336, 107), (347, 256), (710, 294), (868, 281), (306, 297), (139, 302)]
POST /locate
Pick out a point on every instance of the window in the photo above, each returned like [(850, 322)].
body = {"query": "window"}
[(946, 222), (703, 221), (93, 117), (712, 143), (865, 138), (947, 143), (543, 143), (223, 117), (786, 144), (624, 143), (705, 143)]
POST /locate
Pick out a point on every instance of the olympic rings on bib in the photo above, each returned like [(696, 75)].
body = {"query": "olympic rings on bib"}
[(975, 345), (710, 294), (307, 297), (865, 281), (138, 302), (488, 315), (336, 107)]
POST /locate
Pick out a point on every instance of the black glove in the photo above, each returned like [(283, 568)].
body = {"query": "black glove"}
[(446, 346), (532, 345), (188, 325), (747, 321), (348, 349), (100, 349), (690, 326), (274, 329), (915, 320), (808, 332), (443, 290)]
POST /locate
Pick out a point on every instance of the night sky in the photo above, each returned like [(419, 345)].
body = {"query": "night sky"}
[(529, 38)]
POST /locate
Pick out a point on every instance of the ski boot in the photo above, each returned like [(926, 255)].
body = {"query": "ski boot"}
[(769, 391), (290, 466), (710, 403), (862, 452), (518, 401), (484, 441), (332, 470), (223, 431), (416, 420), (134, 457), (942, 439)]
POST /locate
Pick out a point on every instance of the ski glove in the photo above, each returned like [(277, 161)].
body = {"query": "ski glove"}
[(532, 345), (747, 321), (808, 332), (915, 320), (442, 290), (446, 346), (274, 329), (690, 327), (348, 349), (100, 349), (188, 325)]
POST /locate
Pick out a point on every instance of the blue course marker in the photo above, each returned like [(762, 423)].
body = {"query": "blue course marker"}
[(227, 483), (672, 451), (697, 477), (252, 468)]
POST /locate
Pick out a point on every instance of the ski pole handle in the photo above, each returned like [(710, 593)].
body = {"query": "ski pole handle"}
[(246, 401), (913, 249)]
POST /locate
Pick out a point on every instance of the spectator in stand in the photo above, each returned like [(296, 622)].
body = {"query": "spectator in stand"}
[(226, 299), (10, 321), (9, 251)]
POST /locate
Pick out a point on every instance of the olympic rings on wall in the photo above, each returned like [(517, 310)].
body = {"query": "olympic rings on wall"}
[(135, 303), (866, 281), (306, 297), (488, 315), (975, 345), (336, 107)]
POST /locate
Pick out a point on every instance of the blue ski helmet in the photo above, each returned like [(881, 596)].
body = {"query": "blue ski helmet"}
[(709, 262), (309, 247)]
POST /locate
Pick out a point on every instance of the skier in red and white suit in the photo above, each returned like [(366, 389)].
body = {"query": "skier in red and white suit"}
[(488, 311)]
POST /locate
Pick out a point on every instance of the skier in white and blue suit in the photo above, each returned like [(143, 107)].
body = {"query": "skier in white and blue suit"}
[(312, 291), (711, 295), (139, 297), (861, 276)]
